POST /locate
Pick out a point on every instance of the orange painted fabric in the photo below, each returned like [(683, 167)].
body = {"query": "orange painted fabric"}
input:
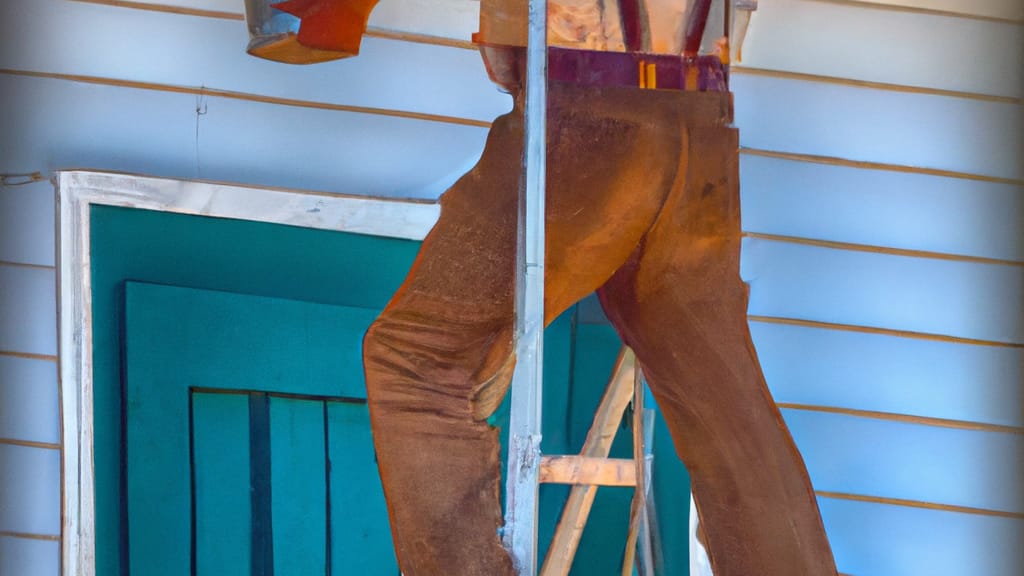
[(643, 207), (333, 25)]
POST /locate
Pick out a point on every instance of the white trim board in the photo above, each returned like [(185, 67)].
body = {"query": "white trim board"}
[(77, 191)]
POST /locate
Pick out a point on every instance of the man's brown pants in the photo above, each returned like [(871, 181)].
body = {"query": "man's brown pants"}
[(642, 206)]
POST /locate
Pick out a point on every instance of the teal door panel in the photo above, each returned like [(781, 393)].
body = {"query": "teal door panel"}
[(248, 446), (236, 256), (298, 487), (221, 484), (241, 342), (359, 506)]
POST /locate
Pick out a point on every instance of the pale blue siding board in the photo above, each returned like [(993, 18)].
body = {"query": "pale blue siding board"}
[(892, 374), (855, 455), (49, 36), (73, 124), (29, 404), (884, 45), (27, 557), (27, 222), (880, 540), (855, 123), (28, 310), (882, 208), (963, 299), (61, 124), (30, 498), (339, 152)]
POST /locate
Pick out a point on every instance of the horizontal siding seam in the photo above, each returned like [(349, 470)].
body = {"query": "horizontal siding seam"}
[(919, 10), (887, 250), (29, 444), (29, 355), (30, 536), (905, 418), (166, 9), (872, 85), (919, 504), (386, 34), (371, 31), (27, 265), (881, 331), (871, 165), (249, 97)]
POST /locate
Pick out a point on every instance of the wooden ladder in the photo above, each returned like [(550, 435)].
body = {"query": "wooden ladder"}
[(592, 468)]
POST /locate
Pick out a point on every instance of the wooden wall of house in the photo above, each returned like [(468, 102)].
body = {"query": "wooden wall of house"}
[(883, 194)]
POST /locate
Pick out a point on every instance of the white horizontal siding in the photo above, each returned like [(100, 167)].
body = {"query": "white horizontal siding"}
[(881, 540), (457, 19), (962, 299), (854, 455), (140, 45), (26, 221), (29, 557), (882, 208), (848, 41), (29, 403), (28, 315), (73, 124), (234, 6), (855, 123), (30, 500), (880, 373), (1008, 9)]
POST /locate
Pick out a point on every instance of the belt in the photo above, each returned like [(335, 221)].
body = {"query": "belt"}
[(506, 65), (652, 71)]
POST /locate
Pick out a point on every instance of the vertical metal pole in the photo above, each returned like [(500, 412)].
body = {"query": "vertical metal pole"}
[(520, 533)]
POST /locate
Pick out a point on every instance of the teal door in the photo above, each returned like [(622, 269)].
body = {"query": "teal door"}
[(248, 440), (231, 428)]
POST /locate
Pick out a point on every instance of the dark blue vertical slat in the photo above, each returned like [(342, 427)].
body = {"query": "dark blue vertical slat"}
[(259, 466), (328, 532), (192, 477)]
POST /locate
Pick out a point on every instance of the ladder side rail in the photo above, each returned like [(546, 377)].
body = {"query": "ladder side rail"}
[(520, 531)]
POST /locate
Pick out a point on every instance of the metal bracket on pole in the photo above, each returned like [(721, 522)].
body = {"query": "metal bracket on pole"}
[(520, 532)]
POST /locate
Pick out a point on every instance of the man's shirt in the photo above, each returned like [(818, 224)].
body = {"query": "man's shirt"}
[(595, 24)]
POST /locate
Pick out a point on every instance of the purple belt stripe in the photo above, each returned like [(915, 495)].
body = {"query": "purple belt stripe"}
[(593, 68)]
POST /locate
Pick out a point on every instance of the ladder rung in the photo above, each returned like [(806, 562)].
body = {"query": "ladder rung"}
[(587, 471)]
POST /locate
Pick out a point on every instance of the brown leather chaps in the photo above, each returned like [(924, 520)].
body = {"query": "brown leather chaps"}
[(642, 206)]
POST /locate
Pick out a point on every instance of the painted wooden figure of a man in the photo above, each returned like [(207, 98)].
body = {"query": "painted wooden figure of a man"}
[(643, 207)]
